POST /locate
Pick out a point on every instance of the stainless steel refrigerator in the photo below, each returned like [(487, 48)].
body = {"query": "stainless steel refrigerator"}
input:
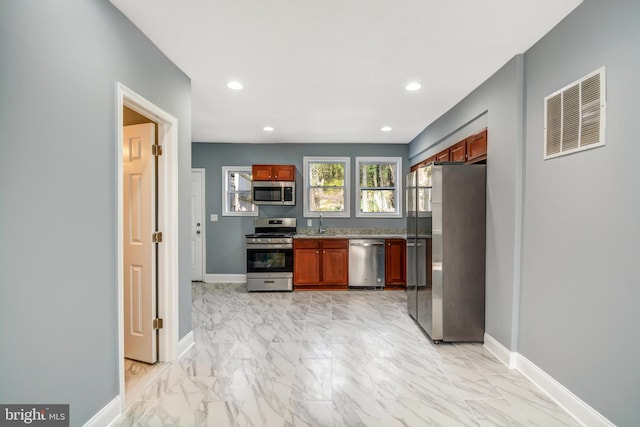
[(446, 230)]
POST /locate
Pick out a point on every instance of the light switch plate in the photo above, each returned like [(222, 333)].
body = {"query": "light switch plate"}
[(214, 217), (309, 223)]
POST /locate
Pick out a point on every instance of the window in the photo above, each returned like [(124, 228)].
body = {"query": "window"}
[(236, 191), (379, 187), (326, 186)]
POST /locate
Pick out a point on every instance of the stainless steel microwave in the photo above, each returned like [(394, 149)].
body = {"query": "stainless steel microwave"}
[(281, 193)]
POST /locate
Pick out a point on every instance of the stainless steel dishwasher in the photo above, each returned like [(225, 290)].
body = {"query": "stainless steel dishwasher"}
[(366, 263)]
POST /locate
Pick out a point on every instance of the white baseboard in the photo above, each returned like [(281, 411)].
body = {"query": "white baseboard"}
[(107, 415), (575, 406), (508, 358), (185, 344), (225, 278)]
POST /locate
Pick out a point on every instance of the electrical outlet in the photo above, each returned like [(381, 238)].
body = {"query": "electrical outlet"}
[(214, 217), (309, 223)]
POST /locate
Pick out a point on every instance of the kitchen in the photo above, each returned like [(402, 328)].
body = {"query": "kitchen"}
[(560, 297), (228, 263)]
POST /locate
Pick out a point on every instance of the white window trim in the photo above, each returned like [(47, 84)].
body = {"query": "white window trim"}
[(225, 187), (398, 188), (347, 185)]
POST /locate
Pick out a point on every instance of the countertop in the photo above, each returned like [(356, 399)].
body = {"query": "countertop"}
[(352, 233)]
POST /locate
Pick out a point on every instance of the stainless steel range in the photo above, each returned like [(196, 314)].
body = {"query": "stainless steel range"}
[(270, 255)]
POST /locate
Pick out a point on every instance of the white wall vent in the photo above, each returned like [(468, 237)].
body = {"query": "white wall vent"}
[(574, 116)]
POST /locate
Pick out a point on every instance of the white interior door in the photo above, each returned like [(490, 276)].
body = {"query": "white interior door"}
[(197, 225), (139, 250)]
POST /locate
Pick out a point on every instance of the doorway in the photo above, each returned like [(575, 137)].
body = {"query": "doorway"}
[(166, 259), (198, 246)]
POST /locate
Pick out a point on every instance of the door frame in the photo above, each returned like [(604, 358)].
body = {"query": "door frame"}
[(203, 174), (167, 277)]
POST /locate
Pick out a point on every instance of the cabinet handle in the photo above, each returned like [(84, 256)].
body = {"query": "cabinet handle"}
[(317, 252)]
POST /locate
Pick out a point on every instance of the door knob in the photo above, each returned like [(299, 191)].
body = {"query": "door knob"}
[(198, 232), (198, 224)]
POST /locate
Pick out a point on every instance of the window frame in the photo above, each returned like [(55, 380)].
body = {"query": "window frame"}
[(225, 192), (347, 185), (398, 187)]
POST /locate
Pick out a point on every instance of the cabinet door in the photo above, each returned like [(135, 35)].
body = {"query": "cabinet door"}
[(284, 172), (261, 172), (443, 156), (429, 160), (306, 267), (458, 151), (395, 262), (477, 146), (335, 265)]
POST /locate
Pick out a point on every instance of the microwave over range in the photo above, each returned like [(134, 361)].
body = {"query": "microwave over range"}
[(282, 193)]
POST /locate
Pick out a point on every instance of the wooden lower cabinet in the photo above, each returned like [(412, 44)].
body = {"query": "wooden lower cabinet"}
[(306, 266), (320, 264), (395, 263)]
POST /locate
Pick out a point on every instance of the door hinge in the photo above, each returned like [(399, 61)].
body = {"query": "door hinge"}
[(156, 150), (157, 323), (156, 237)]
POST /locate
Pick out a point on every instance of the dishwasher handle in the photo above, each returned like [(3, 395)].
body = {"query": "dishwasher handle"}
[(367, 244)]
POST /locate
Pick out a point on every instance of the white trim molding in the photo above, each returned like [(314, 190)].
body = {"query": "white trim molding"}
[(225, 278), (346, 161), (397, 189), (495, 347), (167, 222), (576, 407), (106, 416), (571, 403)]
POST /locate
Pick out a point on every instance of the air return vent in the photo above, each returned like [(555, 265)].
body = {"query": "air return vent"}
[(574, 116)]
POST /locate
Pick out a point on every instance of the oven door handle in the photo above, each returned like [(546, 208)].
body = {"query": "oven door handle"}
[(270, 246)]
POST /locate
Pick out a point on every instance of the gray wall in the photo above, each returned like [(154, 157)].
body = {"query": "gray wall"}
[(562, 287), (225, 238), (59, 65), (580, 287), (497, 105)]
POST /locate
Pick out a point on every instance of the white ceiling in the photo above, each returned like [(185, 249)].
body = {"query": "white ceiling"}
[(335, 70)]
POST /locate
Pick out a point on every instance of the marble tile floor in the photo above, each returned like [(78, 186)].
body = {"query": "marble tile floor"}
[(330, 359), (138, 376)]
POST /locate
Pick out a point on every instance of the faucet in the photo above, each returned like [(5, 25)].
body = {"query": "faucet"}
[(321, 227)]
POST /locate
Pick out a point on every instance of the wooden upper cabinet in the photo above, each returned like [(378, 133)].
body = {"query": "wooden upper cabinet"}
[(472, 149), (477, 146), (458, 152), (261, 172), (273, 172), (443, 156), (284, 172)]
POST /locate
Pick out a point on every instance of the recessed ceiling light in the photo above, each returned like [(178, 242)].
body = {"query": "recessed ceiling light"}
[(413, 86), (267, 129), (386, 129), (235, 85)]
